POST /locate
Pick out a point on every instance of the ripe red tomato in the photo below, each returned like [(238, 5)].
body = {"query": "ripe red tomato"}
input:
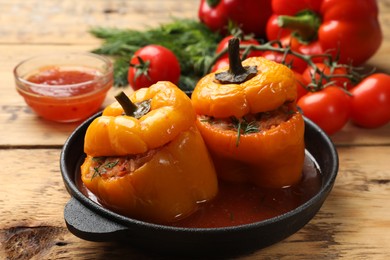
[(329, 108), (224, 43), (250, 16), (153, 63), (215, 17), (295, 63), (273, 30), (337, 80), (221, 63), (370, 103)]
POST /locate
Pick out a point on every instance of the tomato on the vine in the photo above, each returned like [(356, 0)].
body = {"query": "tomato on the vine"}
[(221, 63), (329, 108), (293, 62), (151, 64), (337, 75), (370, 103), (224, 43)]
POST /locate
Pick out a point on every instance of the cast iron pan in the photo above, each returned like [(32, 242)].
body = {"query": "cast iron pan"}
[(90, 221)]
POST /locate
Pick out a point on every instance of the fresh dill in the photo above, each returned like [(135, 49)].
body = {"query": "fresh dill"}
[(96, 172), (190, 40), (111, 165), (100, 169), (244, 127)]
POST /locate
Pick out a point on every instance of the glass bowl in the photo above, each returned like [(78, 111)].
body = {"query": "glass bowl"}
[(64, 87)]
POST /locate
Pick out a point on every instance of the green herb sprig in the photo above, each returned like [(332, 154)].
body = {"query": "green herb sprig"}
[(101, 169), (244, 127), (191, 41)]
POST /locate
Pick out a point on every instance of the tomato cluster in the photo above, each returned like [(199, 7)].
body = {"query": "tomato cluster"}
[(329, 93), (326, 31), (366, 104)]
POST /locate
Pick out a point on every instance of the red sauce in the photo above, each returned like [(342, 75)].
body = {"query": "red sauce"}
[(238, 204), (54, 101)]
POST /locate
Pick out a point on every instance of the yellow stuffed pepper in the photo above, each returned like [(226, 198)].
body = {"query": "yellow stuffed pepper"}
[(146, 159), (248, 118)]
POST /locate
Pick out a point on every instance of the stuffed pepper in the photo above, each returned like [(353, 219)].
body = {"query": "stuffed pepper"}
[(145, 157), (248, 118)]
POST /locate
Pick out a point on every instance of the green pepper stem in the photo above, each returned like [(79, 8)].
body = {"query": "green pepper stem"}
[(128, 106), (304, 25)]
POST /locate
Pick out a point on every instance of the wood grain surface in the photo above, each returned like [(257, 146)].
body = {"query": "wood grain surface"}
[(354, 222)]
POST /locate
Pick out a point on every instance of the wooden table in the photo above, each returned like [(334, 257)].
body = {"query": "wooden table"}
[(354, 222)]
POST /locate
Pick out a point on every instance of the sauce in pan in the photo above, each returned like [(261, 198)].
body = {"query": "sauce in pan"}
[(238, 204)]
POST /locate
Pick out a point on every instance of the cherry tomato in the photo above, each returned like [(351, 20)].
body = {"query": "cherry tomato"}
[(221, 63), (329, 108), (295, 63), (250, 16), (370, 103), (214, 17), (313, 48), (153, 63), (273, 30), (224, 43), (333, 73)]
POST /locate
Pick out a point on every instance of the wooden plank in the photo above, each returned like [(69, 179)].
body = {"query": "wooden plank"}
[(49, 21), (68, 21), (353, 135), (353, 223)]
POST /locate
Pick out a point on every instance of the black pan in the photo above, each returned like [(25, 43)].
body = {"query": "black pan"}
[(90, 221)]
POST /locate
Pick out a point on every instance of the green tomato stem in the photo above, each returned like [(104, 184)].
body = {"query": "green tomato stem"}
[(212, 3)]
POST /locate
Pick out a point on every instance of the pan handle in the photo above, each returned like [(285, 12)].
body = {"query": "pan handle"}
[(86, 224)]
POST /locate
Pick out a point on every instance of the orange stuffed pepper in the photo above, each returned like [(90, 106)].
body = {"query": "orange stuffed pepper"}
[(248, 118), (145, 157)]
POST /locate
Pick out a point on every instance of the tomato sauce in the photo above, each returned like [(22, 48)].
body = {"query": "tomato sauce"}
[(66, 95), (239, 204)]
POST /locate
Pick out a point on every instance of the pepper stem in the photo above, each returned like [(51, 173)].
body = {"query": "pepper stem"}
[(304, 25), (128, 106), (234, 57), (134, 110), (237, 73)]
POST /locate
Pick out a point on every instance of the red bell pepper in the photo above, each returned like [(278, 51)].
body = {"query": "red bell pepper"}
[(250, 15), (347, 29)]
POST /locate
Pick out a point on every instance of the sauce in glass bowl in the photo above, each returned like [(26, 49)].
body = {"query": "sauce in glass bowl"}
[(64, 87)]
